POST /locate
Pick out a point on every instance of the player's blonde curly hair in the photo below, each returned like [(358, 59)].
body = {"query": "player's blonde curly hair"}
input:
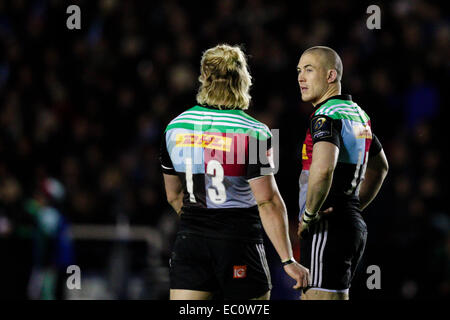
[(224, 77)]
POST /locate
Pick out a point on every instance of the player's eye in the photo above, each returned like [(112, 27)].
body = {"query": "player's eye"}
[(309, 70)]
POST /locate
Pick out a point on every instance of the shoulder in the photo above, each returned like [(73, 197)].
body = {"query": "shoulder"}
[(187, 119), (260, 130), (342, 109), (321, 126), (199, 118)]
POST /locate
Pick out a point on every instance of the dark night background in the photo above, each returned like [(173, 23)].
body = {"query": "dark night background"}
[(88, 107)]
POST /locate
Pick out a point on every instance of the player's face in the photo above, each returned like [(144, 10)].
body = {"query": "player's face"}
[(312, 78)]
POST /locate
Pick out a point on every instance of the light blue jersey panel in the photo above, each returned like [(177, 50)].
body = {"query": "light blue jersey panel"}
[(353, 148), (179, 154), (303, 185), (239, 195)]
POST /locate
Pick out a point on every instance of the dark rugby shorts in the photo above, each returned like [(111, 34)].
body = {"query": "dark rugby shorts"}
[(332, 249), (231, 269)]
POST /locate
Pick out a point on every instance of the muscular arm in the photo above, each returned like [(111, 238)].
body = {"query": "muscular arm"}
[(377, 169), (275, 222), (272, 211), (324, 159), (174, 191)]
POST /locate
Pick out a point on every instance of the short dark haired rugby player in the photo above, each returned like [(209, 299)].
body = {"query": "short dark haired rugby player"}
[(343, 168)]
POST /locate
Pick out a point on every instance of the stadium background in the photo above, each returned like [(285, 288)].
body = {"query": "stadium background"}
[(87, 107)]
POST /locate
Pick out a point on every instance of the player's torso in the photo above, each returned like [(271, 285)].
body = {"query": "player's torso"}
[(209, 149), (355, 138)]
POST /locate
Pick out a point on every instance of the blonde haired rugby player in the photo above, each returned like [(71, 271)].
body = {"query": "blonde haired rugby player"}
[(224, 190)]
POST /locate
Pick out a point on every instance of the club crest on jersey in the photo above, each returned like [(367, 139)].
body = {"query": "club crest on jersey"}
[(208, 141), (362, 131)]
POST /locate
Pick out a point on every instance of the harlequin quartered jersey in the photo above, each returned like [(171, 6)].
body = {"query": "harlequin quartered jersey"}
[(341, 121), (215, 153)]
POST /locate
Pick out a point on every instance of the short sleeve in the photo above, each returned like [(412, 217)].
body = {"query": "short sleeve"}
[(260, 158), (375, 146), (324, 128), (166, 162)]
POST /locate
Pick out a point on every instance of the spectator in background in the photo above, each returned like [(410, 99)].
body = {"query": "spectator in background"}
[(53, 248)]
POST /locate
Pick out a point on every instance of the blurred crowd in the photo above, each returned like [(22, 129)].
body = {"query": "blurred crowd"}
[(88, 107)]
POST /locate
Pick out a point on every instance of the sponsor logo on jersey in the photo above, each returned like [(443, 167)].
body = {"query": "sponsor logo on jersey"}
[(319, 123), (239, 272), (362, 131), (321, 128), (208, 141)]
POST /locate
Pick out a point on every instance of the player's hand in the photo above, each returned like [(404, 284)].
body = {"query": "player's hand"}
[(299, 273), (302, 225)]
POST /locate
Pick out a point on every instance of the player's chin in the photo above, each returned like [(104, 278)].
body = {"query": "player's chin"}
[(306, 98)]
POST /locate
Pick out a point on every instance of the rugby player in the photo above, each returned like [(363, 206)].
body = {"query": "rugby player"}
[(218, 174), (343, 168)]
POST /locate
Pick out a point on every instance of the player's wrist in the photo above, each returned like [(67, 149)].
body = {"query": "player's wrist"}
[(308, 216), (287, 261)]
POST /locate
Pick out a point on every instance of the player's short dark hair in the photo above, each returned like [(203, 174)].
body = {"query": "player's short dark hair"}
[(331, 59)]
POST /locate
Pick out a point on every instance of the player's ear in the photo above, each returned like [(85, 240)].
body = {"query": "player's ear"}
[(332, 75)]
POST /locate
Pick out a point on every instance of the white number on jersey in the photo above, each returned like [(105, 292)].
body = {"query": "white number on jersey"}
[(189, 181), (217, 194), (360, 172)]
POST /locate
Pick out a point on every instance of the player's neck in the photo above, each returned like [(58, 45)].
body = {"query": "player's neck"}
[(331, 91)]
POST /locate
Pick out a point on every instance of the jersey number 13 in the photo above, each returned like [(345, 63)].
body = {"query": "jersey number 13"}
[(216, 193)]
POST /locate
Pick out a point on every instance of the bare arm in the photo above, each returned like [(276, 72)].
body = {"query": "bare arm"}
[(272, 211), (174, 191), (377, 169), (324, 159)]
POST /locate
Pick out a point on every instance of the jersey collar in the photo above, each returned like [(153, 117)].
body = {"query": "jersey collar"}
[(215, 107), (338, 96)]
